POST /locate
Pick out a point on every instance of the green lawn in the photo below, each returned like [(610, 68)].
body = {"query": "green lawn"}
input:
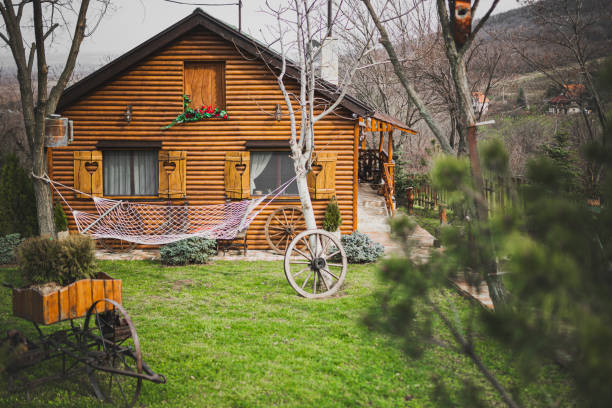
[(234, 334)]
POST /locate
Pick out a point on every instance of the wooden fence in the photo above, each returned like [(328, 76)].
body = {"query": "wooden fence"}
[(499, 194)]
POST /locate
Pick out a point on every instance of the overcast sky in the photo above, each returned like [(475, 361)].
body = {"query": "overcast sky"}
[(132, 22)]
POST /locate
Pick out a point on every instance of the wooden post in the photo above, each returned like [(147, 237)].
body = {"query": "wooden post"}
[(410, 193), (442, 213), (355, 171), (390, 146)]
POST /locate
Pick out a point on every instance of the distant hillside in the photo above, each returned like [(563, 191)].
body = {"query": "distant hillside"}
[(522, 20), (514, 24)]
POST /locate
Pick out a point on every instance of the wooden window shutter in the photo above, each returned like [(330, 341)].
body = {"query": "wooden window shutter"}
[(172, 173), (88, 173), (204, 82), (322, 178), (237, 185)]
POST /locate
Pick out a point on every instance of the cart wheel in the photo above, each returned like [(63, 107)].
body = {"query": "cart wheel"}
[(112, 343), (282, 225), (310, 264)]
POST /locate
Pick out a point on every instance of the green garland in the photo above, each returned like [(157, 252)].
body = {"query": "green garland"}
[(194, 115)]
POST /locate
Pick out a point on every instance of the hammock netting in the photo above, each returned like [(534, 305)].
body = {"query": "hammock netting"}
[(153, 224)]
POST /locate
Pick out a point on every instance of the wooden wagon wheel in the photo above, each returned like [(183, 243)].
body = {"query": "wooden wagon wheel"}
[(112, 344), (315, 264), (282, 225)]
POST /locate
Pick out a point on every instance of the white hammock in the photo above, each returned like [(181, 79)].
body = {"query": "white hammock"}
[(152, 224)]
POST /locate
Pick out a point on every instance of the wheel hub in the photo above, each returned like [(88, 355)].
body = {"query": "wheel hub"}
[(318, 263)]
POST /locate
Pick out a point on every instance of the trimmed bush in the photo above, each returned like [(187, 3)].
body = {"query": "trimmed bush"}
[(59, 218), (188, 251), (17, 201), (44, 260), (332, 219), (360, 248), (7, 248)]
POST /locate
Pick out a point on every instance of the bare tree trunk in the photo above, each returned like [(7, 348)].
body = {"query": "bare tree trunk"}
[(399, 72), (44, 201), (35, 111)]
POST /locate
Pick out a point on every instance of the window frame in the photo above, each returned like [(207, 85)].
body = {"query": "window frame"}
[(223, 79), (131, 149), (274, 147)]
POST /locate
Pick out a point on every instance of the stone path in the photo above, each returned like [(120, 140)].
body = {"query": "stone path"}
[(372, 217)]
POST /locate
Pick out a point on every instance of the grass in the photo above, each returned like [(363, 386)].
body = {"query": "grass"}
[(234, 334)]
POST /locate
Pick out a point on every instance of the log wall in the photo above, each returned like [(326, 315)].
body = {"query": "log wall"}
[(154, 88)]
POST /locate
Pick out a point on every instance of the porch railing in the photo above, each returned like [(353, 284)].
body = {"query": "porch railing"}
[(375, 167)]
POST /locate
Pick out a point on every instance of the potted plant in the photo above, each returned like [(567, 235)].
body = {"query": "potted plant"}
[(61, 281), (333, 218), (60, 220)]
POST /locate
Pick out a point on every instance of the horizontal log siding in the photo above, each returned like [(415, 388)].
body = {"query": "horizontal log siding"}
[(154, 90)]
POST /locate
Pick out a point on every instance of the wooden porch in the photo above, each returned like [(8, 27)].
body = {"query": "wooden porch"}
[(376, 165)]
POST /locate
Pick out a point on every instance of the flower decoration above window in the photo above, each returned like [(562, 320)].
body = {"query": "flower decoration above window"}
[(194, 115)]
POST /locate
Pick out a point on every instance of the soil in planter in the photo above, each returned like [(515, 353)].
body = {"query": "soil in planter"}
[(46, 288)]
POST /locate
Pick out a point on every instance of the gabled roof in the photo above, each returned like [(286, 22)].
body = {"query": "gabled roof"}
[(198, 19), (560, 99)]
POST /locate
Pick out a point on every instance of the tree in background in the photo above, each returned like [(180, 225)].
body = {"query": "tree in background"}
[(17, 204), (521, 99), (37, 101)]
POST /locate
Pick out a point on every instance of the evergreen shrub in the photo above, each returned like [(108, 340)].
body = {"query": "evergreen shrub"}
[(359, 248), (333, 219), (44, 260), (188, 251), (8, 244), (59, 218), (17, 201)]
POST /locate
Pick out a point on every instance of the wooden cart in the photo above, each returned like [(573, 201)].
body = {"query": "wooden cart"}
[(105, 348)]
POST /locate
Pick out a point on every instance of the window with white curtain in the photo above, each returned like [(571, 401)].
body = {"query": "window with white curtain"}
[(130, 173), (270, 169)]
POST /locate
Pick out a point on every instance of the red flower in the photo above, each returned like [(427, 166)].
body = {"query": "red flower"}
[(225, 116)]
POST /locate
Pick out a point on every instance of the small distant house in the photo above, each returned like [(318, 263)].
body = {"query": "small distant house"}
[(568, 102), (121, 150), (480, 103)]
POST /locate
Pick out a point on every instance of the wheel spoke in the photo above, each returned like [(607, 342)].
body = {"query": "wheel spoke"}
[(285, 216), (335, 264), (300, 263), (324, 282), (301, 253), (328, 271), (307, 279), (314, 284), (332, 255), (278, 244), (276, 227), (325, 246), (292, 215), (309, 248), (300, 272), (279, 221)]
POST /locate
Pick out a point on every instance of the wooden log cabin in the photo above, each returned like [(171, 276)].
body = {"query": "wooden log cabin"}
[(121, 151)]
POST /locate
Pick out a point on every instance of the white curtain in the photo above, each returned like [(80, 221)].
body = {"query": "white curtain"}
[(259, 161)]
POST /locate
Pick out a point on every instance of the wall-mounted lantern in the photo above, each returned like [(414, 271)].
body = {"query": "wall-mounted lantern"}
[(278, 114), (127, 115)]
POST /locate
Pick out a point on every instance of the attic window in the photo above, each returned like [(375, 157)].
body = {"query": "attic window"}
[(204, 82)]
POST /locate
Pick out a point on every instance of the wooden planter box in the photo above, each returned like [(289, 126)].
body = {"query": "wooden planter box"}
[(69, 302)]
